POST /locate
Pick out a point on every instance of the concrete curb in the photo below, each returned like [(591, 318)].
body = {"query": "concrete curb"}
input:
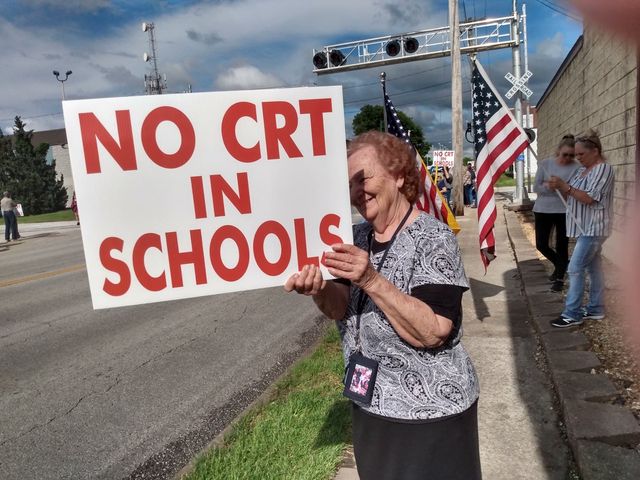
[(603, 437)]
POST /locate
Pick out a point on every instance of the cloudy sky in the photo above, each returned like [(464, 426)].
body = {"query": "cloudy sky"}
[(216, 45)]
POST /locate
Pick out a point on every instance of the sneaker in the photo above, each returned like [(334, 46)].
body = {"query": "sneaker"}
[(592, 316), (557, 286), (564, 322), (555, 276)]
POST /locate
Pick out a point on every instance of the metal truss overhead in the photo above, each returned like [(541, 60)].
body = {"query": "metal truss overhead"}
[(478, 36)]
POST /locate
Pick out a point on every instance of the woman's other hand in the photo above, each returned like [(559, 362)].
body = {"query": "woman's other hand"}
[(351, 263), (556, 183), (307, 281)]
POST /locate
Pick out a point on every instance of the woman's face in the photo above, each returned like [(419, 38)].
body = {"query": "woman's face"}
[(374, 191), (586, 156), (565, 155)]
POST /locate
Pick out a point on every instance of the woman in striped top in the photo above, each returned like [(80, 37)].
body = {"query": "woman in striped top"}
[(589, 217)]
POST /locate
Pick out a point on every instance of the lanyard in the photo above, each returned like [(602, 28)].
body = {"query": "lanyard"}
[(362, 298)]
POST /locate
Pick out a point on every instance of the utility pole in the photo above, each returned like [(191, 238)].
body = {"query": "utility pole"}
[(456, 108), (521, 198), (527, 122)]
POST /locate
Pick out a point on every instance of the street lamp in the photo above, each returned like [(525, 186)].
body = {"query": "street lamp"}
[(62, 80)]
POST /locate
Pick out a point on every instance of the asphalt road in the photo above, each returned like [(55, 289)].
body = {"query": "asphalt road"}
[(132, 392)]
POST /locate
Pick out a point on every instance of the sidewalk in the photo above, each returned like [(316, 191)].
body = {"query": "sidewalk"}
[(27, 229), (535, 418)]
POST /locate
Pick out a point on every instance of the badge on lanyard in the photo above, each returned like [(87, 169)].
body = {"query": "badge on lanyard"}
[(360, 378)]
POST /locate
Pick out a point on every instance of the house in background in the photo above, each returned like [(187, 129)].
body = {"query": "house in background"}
[(58, 151)]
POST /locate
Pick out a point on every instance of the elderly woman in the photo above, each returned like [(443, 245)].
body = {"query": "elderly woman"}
[(397, 302), (550, 210), (589, 219)]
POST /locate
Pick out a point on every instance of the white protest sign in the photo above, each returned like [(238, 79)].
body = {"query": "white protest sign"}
[(204, 193), (443, 158)]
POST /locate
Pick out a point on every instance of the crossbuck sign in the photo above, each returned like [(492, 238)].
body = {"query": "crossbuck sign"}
[(519, 84)]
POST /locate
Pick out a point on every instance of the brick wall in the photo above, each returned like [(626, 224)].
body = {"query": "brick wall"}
[(597, 90)]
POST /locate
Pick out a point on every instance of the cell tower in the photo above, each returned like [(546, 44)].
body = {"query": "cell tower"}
[(154, 84)]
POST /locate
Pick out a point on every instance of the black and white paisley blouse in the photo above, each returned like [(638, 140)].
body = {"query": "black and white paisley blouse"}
[(415, 384)]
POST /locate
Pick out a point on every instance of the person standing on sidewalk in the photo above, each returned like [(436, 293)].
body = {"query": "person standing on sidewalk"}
[(7, 205), (589, 219), (550, 211), (469, 182), (74, 208), (397, 300)]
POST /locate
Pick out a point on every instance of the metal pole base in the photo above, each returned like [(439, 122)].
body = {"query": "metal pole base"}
[(523, 205)]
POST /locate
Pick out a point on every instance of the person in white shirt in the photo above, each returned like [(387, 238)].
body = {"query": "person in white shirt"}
[(550, 210), (7, 205)]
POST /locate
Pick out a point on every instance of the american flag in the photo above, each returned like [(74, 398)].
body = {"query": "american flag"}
[(498, 141), (430, 199)]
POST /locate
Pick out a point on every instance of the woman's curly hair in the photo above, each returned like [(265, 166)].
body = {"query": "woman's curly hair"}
[(397, 157)]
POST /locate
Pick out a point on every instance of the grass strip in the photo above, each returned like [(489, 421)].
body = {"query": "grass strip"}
[(507, 181), (59, 216), (300, 433)]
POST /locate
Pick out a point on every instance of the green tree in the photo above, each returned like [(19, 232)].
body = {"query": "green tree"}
[(28, 176), (371, 117), (7, 167)]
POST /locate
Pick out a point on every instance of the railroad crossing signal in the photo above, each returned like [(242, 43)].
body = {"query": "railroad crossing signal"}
[(519, 84)]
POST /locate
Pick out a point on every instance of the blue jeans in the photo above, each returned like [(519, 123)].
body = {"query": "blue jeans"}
[(10, 225), (469, 195), (585, 260)]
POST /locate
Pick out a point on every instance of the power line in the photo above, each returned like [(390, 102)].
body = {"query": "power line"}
[(31, 116), (465, 75), (440, 67), (558, 9), (397, 94)]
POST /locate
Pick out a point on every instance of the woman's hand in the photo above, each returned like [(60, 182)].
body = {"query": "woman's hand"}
[(331, 298), (352, 263), (556, 183), (307, 281)]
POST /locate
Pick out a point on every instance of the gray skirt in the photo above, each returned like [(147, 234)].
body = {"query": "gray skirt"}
[(388, 449)]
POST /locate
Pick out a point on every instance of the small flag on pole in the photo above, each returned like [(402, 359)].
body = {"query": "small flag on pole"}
[(430, 199), (498, 140)]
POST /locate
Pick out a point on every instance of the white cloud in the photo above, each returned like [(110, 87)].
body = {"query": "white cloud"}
[(552, 47), (246, 77)]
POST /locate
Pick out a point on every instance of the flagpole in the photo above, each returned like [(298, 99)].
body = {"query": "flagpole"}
[(564, 202), (383, 80)]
